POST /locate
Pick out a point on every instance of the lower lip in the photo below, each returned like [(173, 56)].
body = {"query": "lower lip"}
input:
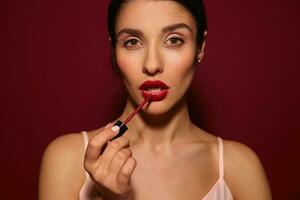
[(155, 96)]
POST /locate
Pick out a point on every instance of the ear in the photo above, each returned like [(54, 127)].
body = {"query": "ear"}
[(201, 48)]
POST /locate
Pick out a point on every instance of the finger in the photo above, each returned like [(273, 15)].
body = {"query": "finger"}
[(126, 171), (112, 148), (118, 161), (104, 146), (96, 143)]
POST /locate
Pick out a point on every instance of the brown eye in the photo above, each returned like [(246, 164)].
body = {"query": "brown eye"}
[(132, 43), (175, 41)]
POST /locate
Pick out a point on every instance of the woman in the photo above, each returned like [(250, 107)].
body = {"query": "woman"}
[(163, 155)]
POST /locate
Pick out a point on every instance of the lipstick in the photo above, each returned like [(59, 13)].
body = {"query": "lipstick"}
[(157, 89)]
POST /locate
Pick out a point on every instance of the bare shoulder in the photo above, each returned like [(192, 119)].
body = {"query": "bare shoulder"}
[(68, 148), (244, 172), (69, 143), (62, 172), (62, 166), (239, 154), (65, 149)]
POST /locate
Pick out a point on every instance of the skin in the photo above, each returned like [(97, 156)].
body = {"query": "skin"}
[(163, 155)]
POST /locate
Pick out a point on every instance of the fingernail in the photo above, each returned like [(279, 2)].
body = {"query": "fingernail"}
[(107, 126), (115, 129)]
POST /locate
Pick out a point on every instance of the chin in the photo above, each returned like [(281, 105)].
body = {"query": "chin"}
[(155, 110), (158, 108)]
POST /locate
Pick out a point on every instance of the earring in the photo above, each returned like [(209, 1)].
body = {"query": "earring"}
[(199, 60)]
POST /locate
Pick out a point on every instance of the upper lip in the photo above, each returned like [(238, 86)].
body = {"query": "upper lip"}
[(153, 84)]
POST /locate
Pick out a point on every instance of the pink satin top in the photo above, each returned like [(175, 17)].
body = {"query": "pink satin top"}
[(219, 191)]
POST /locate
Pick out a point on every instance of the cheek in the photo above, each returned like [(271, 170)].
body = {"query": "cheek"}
[(129, 65), (181, 66)]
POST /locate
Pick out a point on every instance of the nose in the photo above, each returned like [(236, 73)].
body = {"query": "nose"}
[(152, 62)]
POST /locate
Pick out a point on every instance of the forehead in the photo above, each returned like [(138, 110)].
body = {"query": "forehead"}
[(151, 14)]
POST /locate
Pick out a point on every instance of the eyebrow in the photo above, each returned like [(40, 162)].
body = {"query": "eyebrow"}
[(176, 26), (172, 27), (130, 31)]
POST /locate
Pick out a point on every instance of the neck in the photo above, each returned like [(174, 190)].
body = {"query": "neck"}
[(157, 130)]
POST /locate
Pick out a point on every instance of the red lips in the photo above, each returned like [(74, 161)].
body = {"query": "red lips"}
[(158, 90)]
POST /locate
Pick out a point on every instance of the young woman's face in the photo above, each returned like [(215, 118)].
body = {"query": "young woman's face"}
[(156, 40)]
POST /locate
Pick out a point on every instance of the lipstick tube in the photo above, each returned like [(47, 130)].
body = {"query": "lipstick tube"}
[(123, 129)]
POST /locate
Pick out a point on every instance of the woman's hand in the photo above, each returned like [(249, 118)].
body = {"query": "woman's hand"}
[(111, 170)]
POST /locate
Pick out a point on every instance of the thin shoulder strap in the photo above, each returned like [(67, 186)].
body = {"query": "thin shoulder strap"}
[(221, 160), (85, 139), (86, 142)]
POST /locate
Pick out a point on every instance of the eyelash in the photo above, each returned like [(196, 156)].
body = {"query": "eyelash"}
[(126, 43)]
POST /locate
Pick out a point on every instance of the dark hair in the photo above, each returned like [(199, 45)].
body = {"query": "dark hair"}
[(195, 7)]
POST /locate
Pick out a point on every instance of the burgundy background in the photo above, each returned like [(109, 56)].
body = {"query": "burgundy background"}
[(56, 78)]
